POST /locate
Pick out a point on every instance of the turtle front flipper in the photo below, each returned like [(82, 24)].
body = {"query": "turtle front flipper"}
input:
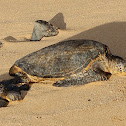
[(83, 78)]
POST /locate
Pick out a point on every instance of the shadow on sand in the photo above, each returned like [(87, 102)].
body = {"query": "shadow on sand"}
[(58, 21), (112, 34)]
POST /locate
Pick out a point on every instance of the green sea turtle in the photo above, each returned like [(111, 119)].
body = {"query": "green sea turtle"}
[(43, 29), (72, 62)]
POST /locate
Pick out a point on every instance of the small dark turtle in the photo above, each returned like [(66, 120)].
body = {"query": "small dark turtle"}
[(10, 90), (43, 29), (72, 62)]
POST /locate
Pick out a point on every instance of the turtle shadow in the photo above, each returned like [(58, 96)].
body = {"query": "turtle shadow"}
[(112, 34)]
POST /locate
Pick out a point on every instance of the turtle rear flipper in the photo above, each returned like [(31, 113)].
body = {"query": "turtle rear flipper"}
[(3, 102), (83, 78)]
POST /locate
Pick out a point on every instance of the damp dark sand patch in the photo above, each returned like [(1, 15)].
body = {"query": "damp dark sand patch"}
[(10, 39)]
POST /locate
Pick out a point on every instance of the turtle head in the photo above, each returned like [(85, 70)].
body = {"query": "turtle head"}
[(118, 66)]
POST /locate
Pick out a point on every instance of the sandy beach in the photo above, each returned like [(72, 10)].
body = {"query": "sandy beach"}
[(93, 104)]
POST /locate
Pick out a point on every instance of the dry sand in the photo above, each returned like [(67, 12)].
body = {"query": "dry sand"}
[(94, 104)]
